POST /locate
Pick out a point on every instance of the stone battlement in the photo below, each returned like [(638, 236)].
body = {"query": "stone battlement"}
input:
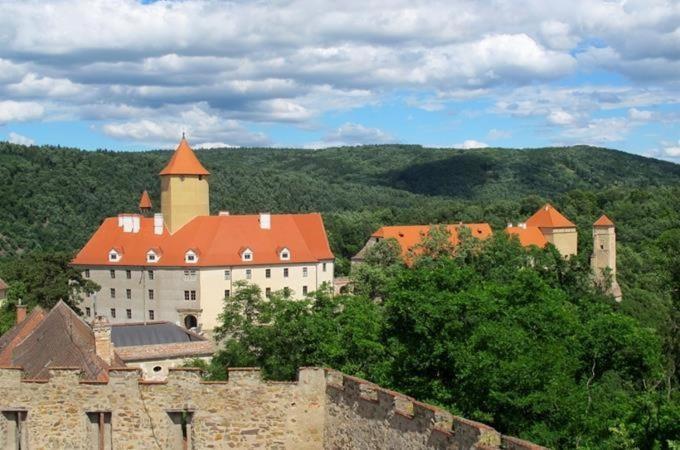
[(322, 409)]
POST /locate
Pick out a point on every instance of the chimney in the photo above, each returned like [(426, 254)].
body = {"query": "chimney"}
[(102, 339), (21, 312), (509, 224), (265, 221), (158, 223), (223, 213), (522, 225)]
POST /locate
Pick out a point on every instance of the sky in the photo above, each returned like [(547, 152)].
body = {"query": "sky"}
[(131, 75)]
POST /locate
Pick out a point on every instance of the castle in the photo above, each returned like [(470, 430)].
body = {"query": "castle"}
[(180, 264), (545, 226)]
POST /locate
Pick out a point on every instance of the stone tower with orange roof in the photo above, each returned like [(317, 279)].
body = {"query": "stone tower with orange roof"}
[(184, 188), (603, 259), (557, 229)]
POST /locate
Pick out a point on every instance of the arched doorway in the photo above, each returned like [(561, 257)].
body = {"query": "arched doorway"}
[(190, 321)]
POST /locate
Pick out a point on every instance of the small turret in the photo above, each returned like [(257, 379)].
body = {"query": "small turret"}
[(603, 258), (145, 203)]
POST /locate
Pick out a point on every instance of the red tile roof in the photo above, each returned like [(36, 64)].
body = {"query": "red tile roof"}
[(145, 201), (216, 239), (3, 285), (18, 333), (603, 221), (184, 162), (409, 236), (528, 236), (60, 339), (549, 217)]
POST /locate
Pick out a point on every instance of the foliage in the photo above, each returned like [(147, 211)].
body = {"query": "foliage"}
[(41, 280), (520, 339)]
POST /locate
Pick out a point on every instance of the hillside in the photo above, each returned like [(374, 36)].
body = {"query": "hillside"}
[(53, 198)]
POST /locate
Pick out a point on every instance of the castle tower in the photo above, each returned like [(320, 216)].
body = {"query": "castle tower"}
[(145, 203), (557, 229), (184, 188), (604, 254)]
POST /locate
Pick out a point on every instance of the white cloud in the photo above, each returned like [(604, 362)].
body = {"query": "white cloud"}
[(638, 114), (561, 117), (672, 150), (209, 145), (11, 111), (199, 124), (16, 138), (470, 143)]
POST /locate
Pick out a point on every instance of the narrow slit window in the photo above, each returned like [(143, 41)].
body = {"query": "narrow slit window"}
[(180, 431), (14, 424), (99, 430)]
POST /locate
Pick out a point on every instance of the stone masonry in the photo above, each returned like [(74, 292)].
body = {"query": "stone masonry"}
[(323, 409)]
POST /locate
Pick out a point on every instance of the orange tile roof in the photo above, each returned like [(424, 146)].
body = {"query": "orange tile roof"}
[(603, 221), (528, 236), (145, 201), (184, 162), (409, 236), (549, 217), (216, 239)]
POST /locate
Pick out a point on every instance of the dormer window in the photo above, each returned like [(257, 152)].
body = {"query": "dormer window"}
[(246, 254), (191, 257), (152, 256), (114, 255), (284, 254)]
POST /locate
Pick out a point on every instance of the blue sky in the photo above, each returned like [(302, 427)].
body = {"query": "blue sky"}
[(130, 75)]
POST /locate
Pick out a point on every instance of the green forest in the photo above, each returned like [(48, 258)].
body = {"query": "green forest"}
[(521, 340)]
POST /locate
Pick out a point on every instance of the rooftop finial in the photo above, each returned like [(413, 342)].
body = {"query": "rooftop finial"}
[(183, 137)]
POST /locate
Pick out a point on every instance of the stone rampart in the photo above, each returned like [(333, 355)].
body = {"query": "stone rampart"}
[(323, 409)]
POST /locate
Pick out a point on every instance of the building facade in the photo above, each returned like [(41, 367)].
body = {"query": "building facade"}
[(180, 264)]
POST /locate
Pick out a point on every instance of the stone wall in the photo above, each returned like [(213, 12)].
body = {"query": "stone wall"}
[(323, 409)]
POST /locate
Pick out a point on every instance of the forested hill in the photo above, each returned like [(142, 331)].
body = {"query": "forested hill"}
[(53, 198)]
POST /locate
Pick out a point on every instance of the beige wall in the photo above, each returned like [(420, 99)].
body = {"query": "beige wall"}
[(564, 239), (169, 285), (147, 367), (183, 197), (604, 249), (320, 410)]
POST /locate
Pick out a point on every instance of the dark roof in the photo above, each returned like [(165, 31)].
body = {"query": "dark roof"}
[(152, 333), (62, 339), (17, 333)]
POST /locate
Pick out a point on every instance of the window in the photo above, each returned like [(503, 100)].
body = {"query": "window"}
[(227, 274), (128, 274), (113, 313), (247, 255), (180, 430), (323, 267), (190, 257), (249, 274), (151, 256), (150, 274), (304, 272), (87, 273), (88, 312), (128, 294), (150, 294), (128, 313), (157, 369), (268, 273), (284, 254), (99, 430), (112, 273), (151, 315), (14, 425), (227, 293), (268, 292), (189, 275), (114, 256), (304, 290), (189, 295), (285, 272), (113, 293)]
